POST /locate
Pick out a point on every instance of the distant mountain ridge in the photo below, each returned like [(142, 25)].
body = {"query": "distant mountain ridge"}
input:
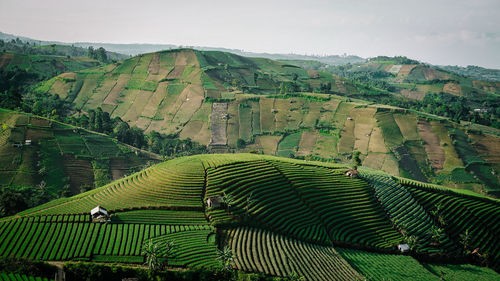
[(134, 49)]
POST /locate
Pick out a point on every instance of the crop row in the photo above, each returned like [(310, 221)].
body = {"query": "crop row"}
[(162, 185), (191, 248), (461, 214), (31, 238), (262, 193), (404, 211), (347, 207), (20, 277), (258, 250), (377, 266), (160, 217)]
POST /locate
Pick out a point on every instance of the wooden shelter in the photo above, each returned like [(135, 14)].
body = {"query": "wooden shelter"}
[(352, 173), (99, 214), (214, 202)]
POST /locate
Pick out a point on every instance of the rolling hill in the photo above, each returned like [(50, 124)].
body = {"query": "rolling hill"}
[(284, 217), (414, 80), (61, 159), (241, 104)]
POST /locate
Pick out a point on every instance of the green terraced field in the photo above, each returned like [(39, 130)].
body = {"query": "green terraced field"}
[(284, 217), (62, 152)]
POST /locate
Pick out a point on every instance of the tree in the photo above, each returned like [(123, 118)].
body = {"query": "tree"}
[(12, 202), (227, 200), (152, 252), (225, 258), (356, 159), (249, 201), (465, 238), (240, 143)]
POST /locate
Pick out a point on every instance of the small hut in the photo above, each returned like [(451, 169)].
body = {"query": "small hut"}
[(403, 248), (99, 214), (349, 118), (352, 173), (214, 202), (27, 142)]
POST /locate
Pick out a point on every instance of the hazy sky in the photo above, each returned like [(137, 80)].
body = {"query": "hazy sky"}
[(455, 32)]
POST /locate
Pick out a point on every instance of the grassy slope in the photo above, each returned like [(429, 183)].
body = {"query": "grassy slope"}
[(60, 154), (278, 223)]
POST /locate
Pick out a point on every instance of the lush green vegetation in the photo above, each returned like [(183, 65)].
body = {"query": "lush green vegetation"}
[(277, 216)]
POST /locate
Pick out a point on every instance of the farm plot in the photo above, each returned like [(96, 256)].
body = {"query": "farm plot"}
[(363, 127), (462, 272), (407, 125), (433, 148), (160, 217), (218, 123), (270, 200), (117, 89), (376, 266), (328, 114), (79, 171), (102, 92), (267, 119), (192, 248), (390, 130), (313, 115), (289, 145), (101, 146), (341, 213), (70, 143), (161, 185), (326, 145), (452, 160), (91, 82), (307, 142), (461, 212), (245, 121), (258, 250), (405, 212)]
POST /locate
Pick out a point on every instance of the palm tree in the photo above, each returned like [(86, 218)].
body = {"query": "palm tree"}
[(227, 200), (226, 257), (152, 253)]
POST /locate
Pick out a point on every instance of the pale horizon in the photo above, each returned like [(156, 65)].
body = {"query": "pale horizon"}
[(436, 32)]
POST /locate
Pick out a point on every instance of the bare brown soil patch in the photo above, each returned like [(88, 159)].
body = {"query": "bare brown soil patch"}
[(488, 147), (433, 148), (68, 75), (115, 92), (452, 88), (118, 167), (176, 72), (218, 121), (432, 74), (79, 171), (307, 143), (405, 70), (154, 65)]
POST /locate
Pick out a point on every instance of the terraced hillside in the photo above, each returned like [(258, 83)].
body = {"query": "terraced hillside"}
[(63, 158), (243, 104), (279, 216)]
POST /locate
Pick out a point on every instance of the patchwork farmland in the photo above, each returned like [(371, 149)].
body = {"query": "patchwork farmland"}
[(239, 104), (285, 217)]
